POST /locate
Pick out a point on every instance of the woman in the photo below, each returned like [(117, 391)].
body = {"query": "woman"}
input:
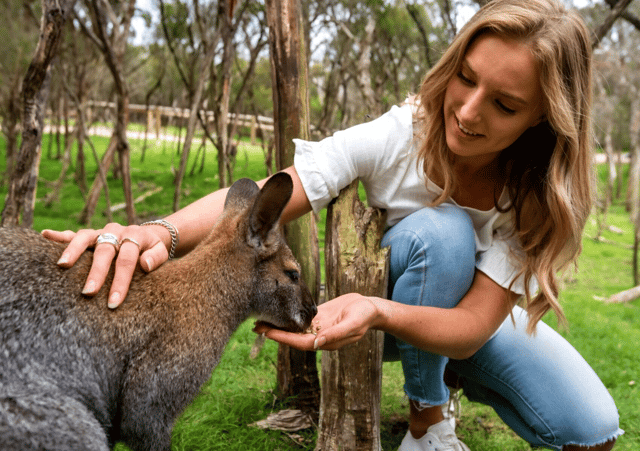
[(486, 177)]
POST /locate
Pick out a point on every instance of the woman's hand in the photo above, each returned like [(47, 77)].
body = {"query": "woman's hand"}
[(339, 322), (135, 243)]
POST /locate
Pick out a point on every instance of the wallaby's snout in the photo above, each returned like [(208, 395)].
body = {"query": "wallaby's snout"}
[(281, 297), (285, 302)]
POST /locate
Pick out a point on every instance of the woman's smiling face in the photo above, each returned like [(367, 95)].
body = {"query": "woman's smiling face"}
[(493, 98)]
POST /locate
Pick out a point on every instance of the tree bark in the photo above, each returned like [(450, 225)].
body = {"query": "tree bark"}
[(603, 29), (634, 178), (222, 107), (111, 36), (363, 66), (191, 126), (99, 183), (35, 90), (352, 376), (297, 371)]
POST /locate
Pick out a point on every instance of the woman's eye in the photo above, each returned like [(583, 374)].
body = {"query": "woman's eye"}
[(464, 79), (505, 108)]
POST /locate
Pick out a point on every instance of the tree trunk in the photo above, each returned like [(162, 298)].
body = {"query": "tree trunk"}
[(98, 183), (352, 376), (191, 126), (112, 34), (35, 90), (11, 126), (634, 179), (222, 120), (602, 30), (363, 74), (297, 371)]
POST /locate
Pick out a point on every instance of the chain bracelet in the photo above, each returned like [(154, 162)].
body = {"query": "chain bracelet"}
[(173, 231)]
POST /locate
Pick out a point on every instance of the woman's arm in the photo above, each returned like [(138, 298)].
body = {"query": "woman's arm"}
[(457, 333), (193, 222)]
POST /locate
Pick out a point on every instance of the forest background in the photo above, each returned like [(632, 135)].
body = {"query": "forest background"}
[(184, 88)]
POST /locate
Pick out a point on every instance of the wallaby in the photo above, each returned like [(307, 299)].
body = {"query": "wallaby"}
[(75, 375)]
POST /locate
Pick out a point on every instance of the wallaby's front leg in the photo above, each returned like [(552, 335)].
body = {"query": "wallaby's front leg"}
[(155, 393)]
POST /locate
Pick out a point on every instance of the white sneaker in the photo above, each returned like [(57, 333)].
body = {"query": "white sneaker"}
[(439, 437)]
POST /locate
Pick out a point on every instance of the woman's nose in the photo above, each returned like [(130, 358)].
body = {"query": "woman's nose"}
[(471, 107)]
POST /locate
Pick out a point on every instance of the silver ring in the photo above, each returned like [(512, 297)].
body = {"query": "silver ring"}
[(109, 238), (131, 240)]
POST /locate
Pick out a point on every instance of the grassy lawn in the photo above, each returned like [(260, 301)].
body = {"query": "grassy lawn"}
[(241, 390)]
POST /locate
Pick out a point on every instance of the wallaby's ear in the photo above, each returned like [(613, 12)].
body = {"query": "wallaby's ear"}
[(268, 207), (241, 194)]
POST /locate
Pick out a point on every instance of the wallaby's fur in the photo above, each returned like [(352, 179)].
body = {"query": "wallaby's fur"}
[(75, 375)]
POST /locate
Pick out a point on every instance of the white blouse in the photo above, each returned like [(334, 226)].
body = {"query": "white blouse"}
[(382, 153)]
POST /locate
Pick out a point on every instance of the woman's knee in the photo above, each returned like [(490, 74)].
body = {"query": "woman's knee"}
[(433, 247), (445, 232), (597, 429)]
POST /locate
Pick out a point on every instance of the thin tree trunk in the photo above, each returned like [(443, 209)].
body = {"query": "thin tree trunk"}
[(607, 199), (634, 178), (35, 91), (191, 126), (99, 182), (111, 39), (222, 116), (297, 372), (54, 195), (363, 75), (11, 127), (601, 31), (352, 376)]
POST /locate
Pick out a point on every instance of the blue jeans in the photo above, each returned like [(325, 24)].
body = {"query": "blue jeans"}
[(539, 385)]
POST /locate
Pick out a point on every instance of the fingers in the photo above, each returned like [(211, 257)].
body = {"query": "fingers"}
[(154, 256), (134, 240), (339, 322), (334, 337), (299, 341), (128, 245), (102, 257), (329, 340), (125, 266), (78, 243), (60, 237)]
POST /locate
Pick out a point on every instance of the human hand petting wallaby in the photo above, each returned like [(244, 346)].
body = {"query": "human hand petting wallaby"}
[(143, 245), (151, 245)]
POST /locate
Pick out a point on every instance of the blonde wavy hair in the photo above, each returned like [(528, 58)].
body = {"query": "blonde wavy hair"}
[(548, 170)]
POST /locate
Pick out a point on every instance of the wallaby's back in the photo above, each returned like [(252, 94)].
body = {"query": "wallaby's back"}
[(45, 375), (77, 375)]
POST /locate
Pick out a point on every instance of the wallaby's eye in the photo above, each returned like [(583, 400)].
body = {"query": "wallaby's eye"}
[(293, 275)]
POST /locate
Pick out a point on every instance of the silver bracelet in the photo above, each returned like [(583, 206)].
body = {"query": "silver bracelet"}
[(173, 231)]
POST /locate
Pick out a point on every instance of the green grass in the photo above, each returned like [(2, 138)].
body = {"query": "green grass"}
[(241, 390)]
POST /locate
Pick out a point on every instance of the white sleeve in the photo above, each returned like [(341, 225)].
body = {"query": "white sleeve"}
[(501, 265), (365, 151)]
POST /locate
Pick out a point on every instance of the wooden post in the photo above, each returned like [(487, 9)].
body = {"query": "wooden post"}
[(253, 126), (352, 376), (297, 370)]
